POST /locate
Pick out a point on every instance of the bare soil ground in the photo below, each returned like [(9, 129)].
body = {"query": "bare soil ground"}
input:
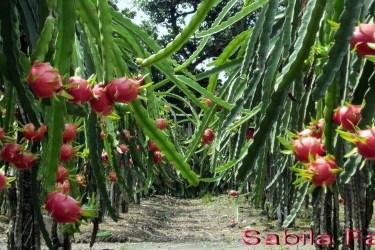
[(162, 222)]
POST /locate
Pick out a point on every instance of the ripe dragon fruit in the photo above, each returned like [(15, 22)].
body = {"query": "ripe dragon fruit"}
[(69, 132), (62, 174), (161, 123), (30, 134), (347, 116), (2, 134), (67, 152), (250, 133), (303, 147), (124, 148), (123, 90), (233, 193), (208, 136), (24, 160), (364, 141), (152, 146), (321, 172), (10, 152), (63, 208), (63, 187), (81, 93), (3, 181), (101, 103), (362, 35), (157, 157), (44, 80), (112, 177), (317, 128)]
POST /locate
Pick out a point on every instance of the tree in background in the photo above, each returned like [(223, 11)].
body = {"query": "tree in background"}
[(173, 15)]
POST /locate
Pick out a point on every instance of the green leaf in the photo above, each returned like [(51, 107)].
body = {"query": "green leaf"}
[(347, 136), (333, 24), (285, 143), (370, 58), (286, 152)]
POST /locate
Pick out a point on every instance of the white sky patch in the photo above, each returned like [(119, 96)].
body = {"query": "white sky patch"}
[(140, 16), (122, 4)]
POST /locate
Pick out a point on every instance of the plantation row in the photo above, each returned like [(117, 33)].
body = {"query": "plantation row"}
[(95, 110)]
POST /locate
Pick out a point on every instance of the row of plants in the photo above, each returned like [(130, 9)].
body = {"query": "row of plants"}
[(85, 130)]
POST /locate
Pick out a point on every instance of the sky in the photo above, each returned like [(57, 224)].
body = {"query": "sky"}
[(122, 4)]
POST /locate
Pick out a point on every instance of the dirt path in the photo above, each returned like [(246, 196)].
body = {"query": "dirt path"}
[(162, 222)]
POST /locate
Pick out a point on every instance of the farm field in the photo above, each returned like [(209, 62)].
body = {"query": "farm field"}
[(162, 222), (159, 127)]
